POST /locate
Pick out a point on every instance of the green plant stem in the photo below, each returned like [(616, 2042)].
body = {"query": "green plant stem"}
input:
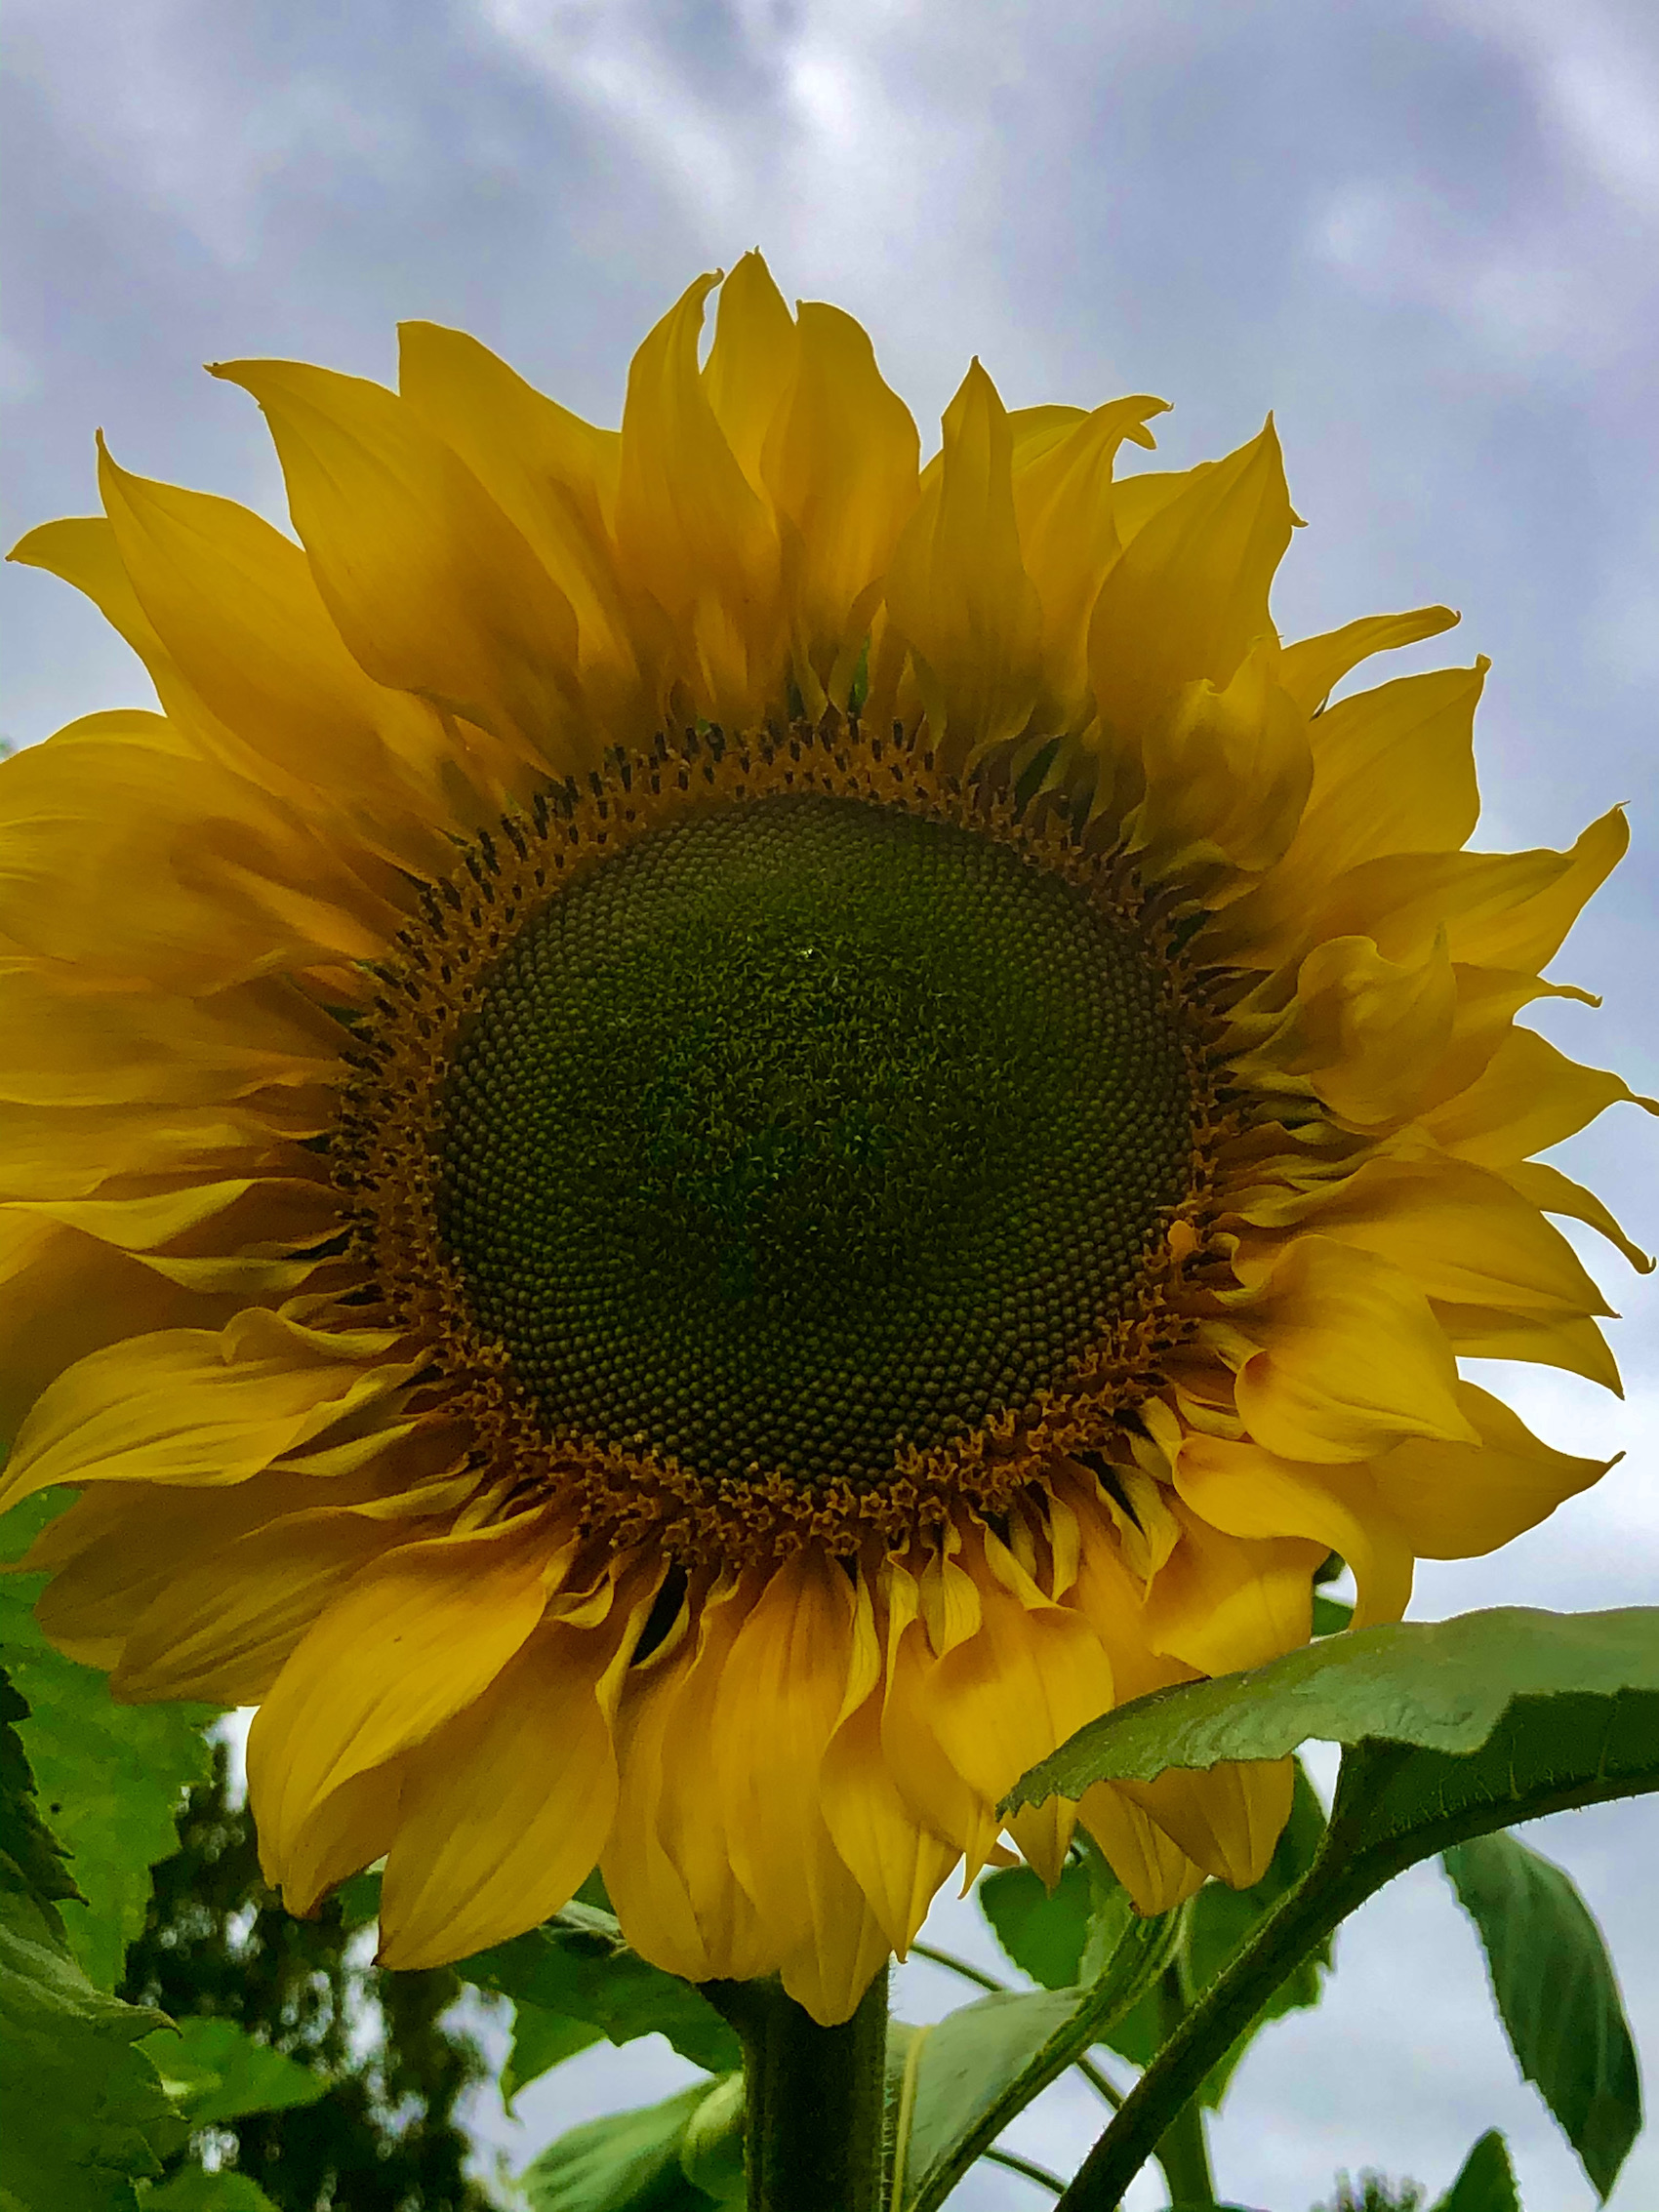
[(1338, 1880), (1028, 2167), (1104, 2089), (1184, 2152), (814, 2099)]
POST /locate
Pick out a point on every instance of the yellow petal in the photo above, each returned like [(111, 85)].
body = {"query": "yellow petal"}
[(1248, 1492), (59, 1152), (1460, 1233), (173, 1408), (1457, 1501), (1528, 1097), (349, 1832), (1062, 503), (1367, 1033), (666, 1863), (752, 363), (1313, 666), (1509, 910), (780, 1698), (1189, 595), (847, 1949), (237, 610), (840, 466), (1553, 1192), (505, 1809), (1228, 770), (691, 529), (933, 1792), (1226, 1818), (1351, 1358), (1149, 1863), (1014, 1692), (1219, 1602), (1545, 1340), (1394, 772), (430, 586), (958, 588), (415, 1638), (897, 1862)]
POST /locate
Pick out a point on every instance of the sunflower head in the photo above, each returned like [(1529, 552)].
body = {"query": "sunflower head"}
[(715, 1132)]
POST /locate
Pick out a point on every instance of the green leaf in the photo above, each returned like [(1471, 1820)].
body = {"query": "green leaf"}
[(1556, 1994), (111, 1777), (1486, 2182), (1043, 1934), (626, 2163), (1479, 1689), (541, 2040), (83, 2115), (1444, 1685), (958, 2085), (711, 2156), (193, 2190), (215, 2070), (578, 1964)]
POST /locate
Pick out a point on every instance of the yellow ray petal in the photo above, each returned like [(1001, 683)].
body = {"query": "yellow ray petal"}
[(1553, 1192), (958, 588), (1460, 1233), (666, 1863), (1011, 1694), (1247, 1492), (1528, 1097), (1062, 503), (1149, 1863), (1189, 595), (174, 1408), (847, 1949), (1351, 1357), (1457, 1501), (1227, 1819), (415, 1638), (752, 363), (353, 1828), (223, 1626), (1228, 770), (1313, 666), (897, 1862), (1545, 1340), (933, 1792), (1220, 1603), (554, 477), (431, 588), (237, 610), (505, 1808), (840, 466), (1509, 910), (780, 1700), (692, 530)]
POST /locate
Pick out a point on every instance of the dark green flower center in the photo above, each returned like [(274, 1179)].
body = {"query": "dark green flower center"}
[(802, 1131)]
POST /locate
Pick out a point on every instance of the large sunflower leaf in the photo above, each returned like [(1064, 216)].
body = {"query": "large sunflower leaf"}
[(1556, 1994), (578, 1964), (957, 2083), (1494, 1718), (1441, 1684), (541, 2041), (626, 2163), (83, 2113), (111, 1777), (193, 2189)]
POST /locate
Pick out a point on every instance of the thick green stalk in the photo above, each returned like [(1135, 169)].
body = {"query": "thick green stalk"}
[(814, 2099), (1183, 2153)]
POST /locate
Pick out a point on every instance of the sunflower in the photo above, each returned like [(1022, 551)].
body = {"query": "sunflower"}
[(717, 1130)]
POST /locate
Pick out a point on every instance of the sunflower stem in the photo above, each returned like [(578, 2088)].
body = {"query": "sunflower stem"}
[(1183, 2153), (814, 2099)]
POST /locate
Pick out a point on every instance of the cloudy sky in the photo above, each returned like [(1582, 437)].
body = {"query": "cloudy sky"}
[(1426, 235)]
